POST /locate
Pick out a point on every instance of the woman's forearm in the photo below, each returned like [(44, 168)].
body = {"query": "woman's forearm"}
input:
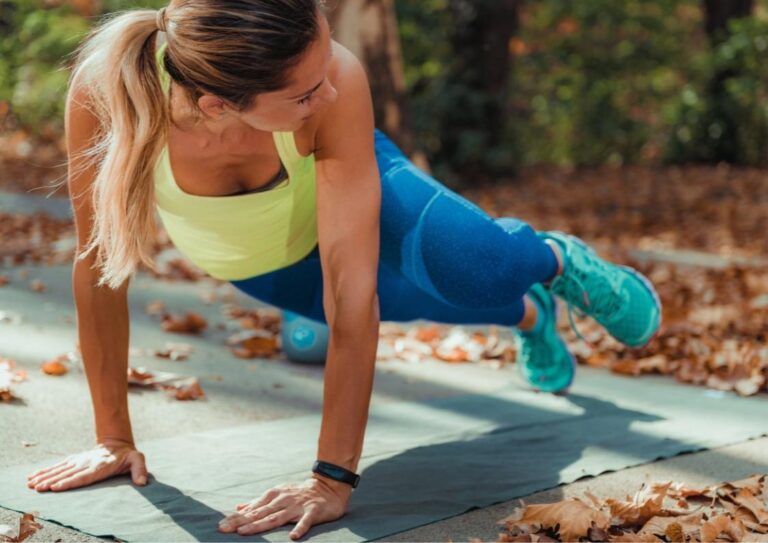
[(348, 382), (102, 323)]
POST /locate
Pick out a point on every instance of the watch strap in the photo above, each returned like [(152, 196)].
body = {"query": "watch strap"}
[(337, 473)]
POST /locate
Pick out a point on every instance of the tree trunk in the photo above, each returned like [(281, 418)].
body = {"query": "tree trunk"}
[(368, 28), (723, 145), (717, 13), (475, 125)]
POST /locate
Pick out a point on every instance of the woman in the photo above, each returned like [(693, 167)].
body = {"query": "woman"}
[(192, 110)]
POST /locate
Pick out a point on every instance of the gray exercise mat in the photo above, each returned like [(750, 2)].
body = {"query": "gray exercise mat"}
[(422, 462)]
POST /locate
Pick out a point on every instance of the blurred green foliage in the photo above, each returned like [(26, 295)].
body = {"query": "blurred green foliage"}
[(33, 43), (37, 38), (598, 82), (725, 116)]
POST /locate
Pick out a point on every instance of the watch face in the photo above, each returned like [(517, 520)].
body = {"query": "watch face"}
[(334, 471)]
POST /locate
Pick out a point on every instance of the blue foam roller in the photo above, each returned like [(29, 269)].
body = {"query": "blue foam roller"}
[(304, 340)]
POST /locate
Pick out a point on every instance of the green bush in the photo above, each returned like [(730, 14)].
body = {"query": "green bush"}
[(36, 40), (595, 82), (33, 47), (725, 118)]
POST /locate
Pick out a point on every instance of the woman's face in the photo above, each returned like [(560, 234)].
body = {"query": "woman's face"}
[(308, 91)]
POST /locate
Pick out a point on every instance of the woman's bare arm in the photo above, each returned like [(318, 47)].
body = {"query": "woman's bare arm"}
[(102, 313)]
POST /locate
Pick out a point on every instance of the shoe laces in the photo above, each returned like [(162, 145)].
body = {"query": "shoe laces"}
[(605, 288)]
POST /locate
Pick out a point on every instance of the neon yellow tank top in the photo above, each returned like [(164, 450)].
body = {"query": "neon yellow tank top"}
[(241, 236)]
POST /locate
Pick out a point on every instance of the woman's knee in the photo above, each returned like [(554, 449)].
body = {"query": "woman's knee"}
[(471, 260)]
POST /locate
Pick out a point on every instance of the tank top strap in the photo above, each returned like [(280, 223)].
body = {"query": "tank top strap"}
[(286, 147)]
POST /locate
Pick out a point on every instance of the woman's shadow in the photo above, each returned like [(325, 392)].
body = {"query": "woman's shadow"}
[(428, 483)]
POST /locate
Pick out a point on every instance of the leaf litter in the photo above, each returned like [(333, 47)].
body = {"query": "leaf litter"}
[(658, 512), (715, 320)]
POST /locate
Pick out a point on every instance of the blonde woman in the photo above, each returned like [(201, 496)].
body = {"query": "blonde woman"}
[(251, 132)]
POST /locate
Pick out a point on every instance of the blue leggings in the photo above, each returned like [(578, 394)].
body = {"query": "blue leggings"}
[(442, 257)]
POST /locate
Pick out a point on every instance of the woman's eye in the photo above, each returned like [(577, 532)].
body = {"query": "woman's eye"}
[(306, 99)]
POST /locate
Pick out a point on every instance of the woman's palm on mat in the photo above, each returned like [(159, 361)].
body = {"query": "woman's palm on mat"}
[(106, 460), (306, 504)]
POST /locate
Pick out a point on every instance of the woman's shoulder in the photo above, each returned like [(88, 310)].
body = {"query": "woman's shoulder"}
[(346, 71), (349, 78)]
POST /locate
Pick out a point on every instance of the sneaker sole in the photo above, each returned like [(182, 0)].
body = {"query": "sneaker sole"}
[(649, 287)]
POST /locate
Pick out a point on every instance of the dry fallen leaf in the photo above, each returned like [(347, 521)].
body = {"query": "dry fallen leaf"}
[(711, 530), (8, 376), (56, 366), (254, 344), (27, 528), (673, 528), (189, 323), (188, 390), (175, 351), (645, 504), (182, 388), (572, 517)]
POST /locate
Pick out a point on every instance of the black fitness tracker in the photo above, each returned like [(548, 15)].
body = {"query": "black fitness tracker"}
[(337, 473)]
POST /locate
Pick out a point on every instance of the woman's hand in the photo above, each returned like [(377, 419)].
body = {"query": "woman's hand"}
[(107, 459), (312, 502)]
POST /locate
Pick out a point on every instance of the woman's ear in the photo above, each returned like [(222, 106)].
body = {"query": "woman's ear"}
[(212, 106)]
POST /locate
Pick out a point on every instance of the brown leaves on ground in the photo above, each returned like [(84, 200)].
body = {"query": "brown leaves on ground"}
[(658, 512), (715, 320), (254, 344), (188, 323), (713, 334), (256, 319), (259, 334), (571, 519), (720, 210), (57, 366), (181, 388), (9, 375), (452, 344), (174, 351), (27, 528), (35, 239)]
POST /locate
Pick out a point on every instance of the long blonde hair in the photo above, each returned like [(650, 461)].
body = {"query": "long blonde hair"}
[(233, 49)]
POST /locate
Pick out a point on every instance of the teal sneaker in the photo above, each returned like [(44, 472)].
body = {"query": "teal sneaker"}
[(542, 357), (619, 298)]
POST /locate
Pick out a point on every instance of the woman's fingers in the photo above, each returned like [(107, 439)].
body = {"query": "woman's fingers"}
[(48, 483), (304, 524), (269, 522), (264, 499), (43, 471), (48, 474), (48, 477), (139, 473), (81, 478), (234, 521)]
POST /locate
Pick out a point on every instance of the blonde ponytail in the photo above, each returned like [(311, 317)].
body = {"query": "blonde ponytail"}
[(117, 64)]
